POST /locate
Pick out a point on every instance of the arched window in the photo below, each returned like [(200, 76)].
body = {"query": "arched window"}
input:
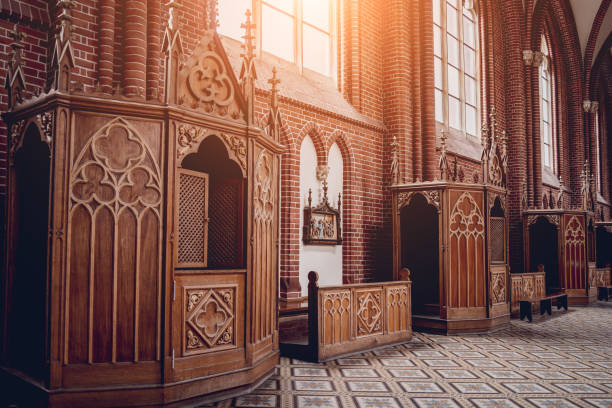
[(546, 123), (456, 65), (299, 31)]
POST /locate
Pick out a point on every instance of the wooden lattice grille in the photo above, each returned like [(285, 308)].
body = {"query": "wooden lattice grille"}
[(497, 239), (192, 219), (225, 226)]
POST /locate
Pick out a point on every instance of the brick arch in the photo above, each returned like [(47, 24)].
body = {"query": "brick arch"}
[(290, 203), (594, 83), (555, 19), (590, 46), (312, 129)]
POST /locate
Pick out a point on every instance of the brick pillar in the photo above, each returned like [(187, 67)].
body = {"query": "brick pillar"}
[(106, 45), (516, 128), (135, 47), (428, 109), (397, 91), (154, 56)]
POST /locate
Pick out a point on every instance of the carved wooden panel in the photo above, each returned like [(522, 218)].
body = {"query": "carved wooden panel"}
[(369, 312), (497, 239), (516, 289), (206, 82), (526, 286), (265, 192), (600, 277), (466, 251), (358, 316), (192, 225), (210, 322), (335, 317), (398, 311), (498, 285), (574, 254), (112, 285)]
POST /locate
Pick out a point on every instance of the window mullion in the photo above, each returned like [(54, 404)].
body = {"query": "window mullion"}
[(444, 44), (462, 98), (299, 35)]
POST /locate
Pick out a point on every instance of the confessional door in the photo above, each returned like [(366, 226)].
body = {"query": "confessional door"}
[(419, 253), (544, 250), (26, 286), (209, 277)]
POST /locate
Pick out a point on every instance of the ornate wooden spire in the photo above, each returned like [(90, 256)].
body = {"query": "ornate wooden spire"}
[(443, 163), (172, 47), (62, 61), (15, 78), (395, 172), (274, 122), (248, 75)]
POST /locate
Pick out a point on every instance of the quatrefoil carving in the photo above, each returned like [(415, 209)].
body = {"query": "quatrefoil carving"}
[(117, 150), (140, 188), (94, 185), (209, 82), (466, 217)]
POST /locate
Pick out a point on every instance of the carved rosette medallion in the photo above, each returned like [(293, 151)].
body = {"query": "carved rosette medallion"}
[(210, 319), (369, 313)]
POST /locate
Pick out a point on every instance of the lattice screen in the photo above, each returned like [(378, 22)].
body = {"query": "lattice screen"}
[(192, 219), (224, 229), (497, 241)]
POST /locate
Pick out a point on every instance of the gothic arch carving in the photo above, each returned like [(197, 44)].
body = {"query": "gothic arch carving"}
[(190, 137), (44, 124), (431, 196)]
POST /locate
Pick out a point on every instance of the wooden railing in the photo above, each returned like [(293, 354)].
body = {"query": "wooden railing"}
[(351, 318), (526, 285)]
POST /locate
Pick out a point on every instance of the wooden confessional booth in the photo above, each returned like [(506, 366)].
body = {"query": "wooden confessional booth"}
[(564, 242), (142, 240), (453, 237)]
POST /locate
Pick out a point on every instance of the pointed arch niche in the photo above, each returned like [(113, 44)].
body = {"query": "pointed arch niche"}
[(326, 260)]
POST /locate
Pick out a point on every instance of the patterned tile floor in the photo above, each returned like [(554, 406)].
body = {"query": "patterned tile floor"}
[(561, 362)]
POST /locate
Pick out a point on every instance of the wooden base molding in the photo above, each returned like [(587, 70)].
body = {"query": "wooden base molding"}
[(23, 391), (431, 324)]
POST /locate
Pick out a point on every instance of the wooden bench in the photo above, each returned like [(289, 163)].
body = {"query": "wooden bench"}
[(545, 304), (604, 292), (353, 318)]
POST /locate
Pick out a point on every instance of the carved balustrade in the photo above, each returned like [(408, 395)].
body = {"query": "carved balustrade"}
[(351, 318)]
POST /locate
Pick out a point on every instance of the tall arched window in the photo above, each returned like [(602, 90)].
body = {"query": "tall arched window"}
[(546, 123), (299, 31), (456, 65)]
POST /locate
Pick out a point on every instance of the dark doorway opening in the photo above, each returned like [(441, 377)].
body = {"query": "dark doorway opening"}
[(544, 250), (419, 243)]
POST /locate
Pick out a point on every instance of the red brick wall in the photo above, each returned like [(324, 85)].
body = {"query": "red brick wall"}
[(385, 70)]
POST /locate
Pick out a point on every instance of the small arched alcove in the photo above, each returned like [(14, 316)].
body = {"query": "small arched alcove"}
[(544, 250), (419, 252), (29, 232), (497, 233), (226, 215)]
